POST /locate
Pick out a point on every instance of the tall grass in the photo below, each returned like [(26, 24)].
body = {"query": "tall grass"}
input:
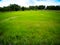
[(40, 27)]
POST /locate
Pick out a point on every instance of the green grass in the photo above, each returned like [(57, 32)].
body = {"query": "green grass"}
[(41, 27)]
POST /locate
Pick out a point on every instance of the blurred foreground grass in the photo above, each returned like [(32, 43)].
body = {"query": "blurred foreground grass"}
[(30, 28)]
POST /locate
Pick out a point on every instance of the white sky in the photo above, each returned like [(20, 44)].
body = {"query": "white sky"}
[(29, 2)]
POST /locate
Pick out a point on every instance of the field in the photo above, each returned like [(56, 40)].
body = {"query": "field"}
[(40, 27)]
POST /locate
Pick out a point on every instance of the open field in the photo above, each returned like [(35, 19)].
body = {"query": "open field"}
[(40, 27)]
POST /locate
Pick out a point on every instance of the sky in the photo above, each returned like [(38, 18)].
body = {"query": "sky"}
[(29, 2)]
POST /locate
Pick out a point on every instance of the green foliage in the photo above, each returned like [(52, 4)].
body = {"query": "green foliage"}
[(30, 28), (15, 7), (57, 7), (41, 7), (53, 7), (11, 7)]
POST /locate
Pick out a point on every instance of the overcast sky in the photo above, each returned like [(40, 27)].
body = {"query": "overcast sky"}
[(29, 2)]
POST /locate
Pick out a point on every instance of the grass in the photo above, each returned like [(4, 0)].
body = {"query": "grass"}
[(41, 27)]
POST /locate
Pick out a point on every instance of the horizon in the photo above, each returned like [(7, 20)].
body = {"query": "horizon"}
[(28, 3)]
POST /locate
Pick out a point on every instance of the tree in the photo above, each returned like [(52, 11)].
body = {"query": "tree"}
[(41, 7), (57, 7), (0, 8), (51, 7), (31, 7), (11, 7), (14, 7), (35, 7), (22, 8)]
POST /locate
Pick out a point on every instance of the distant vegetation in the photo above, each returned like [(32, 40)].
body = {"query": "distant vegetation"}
[(15, 7)]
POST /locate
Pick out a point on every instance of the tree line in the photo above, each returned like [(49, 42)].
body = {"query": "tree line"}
[(15, 7)]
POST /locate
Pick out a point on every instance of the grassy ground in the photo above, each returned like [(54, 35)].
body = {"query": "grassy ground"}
[(30, 28)]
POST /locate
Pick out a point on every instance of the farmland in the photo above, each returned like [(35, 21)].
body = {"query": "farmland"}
[(39, 27)]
